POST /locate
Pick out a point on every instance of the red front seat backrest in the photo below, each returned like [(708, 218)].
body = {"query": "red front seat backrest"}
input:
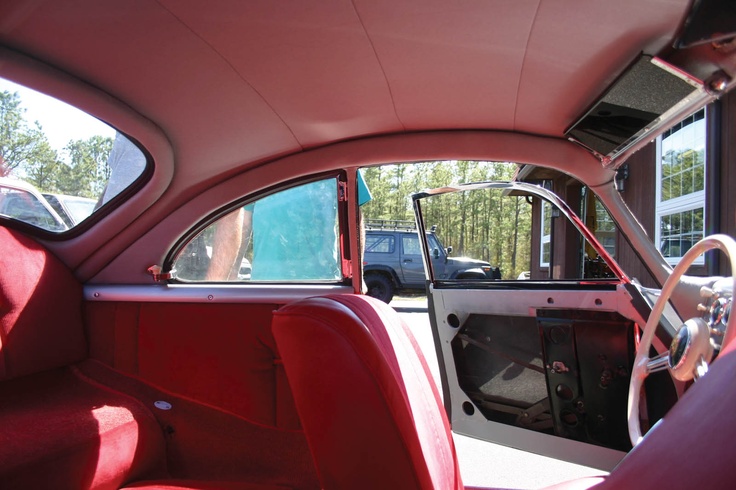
[(366, 398)]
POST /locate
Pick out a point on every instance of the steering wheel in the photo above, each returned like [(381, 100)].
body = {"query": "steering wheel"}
[(691, 349)]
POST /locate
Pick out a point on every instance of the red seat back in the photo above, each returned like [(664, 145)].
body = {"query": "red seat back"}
[(366, 398), (40, 309)]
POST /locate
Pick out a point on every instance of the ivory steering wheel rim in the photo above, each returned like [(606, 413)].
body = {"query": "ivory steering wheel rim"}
[(640, 371)]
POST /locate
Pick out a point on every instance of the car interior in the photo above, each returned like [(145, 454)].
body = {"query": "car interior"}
[(205, 323)]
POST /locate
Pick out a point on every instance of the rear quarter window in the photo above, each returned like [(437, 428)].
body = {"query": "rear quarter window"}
[(288, 236), (67, 163)]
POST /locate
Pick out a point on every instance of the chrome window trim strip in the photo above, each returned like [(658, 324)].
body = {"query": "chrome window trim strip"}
[(220, 293)]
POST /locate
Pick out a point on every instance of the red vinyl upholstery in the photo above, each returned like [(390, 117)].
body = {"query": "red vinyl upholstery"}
[(40, 309), (370, 409), (60, 427)]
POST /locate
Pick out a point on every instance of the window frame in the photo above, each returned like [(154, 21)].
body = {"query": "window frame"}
[(339, 177), (545, 239), (72, 112)]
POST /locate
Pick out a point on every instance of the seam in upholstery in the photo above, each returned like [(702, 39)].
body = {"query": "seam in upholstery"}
[(378, 60), (523, 62), (235, 70), (83, 377)]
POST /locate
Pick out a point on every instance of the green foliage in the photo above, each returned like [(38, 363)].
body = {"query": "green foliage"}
[(88, 172), (484, 225), (23, 148), (25, 152)]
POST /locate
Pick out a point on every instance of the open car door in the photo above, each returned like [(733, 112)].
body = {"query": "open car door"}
[(540, 359)]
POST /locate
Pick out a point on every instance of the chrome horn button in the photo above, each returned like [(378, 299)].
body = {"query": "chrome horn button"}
[(690, 348)]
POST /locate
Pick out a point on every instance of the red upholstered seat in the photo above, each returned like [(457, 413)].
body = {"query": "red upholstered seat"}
[(40, 309), (370, 409), (373, 418), (60, 429)]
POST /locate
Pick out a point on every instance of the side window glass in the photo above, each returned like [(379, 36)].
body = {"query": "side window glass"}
[(411, 245), (434, 245), (58, 165), (375, 243), (545, 243), (514, 235), (291, 235)]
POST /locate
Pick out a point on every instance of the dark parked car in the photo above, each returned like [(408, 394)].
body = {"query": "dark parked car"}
[(393, 260)]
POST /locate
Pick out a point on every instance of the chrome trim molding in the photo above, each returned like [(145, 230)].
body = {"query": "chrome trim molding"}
[(230, 293)]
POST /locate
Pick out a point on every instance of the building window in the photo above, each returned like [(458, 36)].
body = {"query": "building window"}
[(600, 223), (680, 190), (545, 252), (605, 230)]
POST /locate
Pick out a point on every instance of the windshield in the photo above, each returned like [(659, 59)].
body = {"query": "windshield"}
[(72, 209), (434, 243)]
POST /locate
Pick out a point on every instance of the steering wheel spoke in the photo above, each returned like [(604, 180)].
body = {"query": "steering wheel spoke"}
[(657, 363)]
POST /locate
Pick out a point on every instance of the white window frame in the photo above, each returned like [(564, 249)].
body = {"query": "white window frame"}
[(688, 202), (545, 239)]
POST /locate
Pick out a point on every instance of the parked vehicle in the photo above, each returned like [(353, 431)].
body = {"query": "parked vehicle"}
[(392, 261), (23, 202), (72, 209), (242, 126)]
